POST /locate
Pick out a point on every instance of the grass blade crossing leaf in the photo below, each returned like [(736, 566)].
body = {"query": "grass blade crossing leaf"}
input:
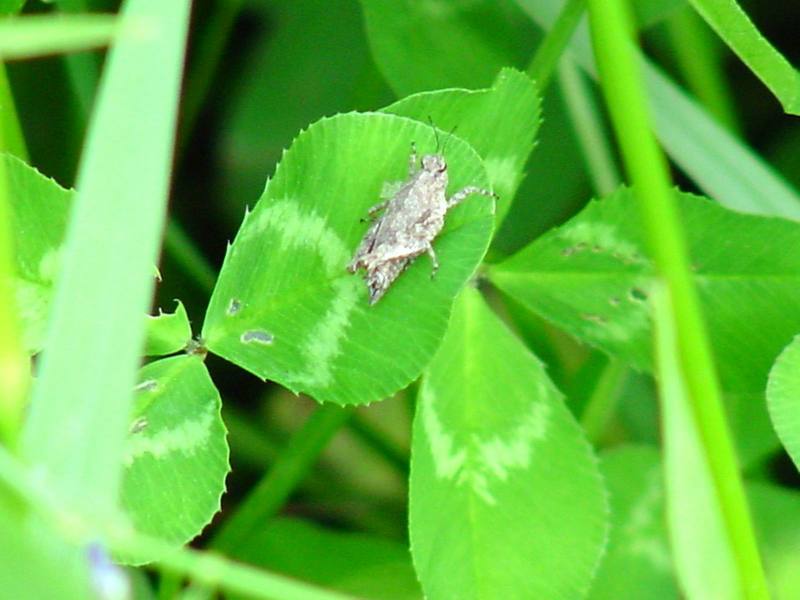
[(733, 25), (506, 500), (39, 212), (285, 307), (81, 402)]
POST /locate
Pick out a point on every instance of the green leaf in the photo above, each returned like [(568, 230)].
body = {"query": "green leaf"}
[(39, 35), (733, 25), (307, 54), (176, 456), (39, 211), (167, 332), (499, 122), (285, 307), (783, 398), (776, 512), (75, 432), (355, 563), (506, 500), (637, 563), (439, 43), (593, 277), (10, 7), (721, 164)]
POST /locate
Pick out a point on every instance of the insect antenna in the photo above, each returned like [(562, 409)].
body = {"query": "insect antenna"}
[(447, 139), (435, 133)]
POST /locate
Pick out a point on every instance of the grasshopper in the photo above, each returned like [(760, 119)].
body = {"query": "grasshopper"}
[(412, 218)]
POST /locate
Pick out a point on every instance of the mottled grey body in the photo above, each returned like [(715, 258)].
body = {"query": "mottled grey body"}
[(411, 220)]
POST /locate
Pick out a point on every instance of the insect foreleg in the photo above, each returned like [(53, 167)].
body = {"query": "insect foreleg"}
[(413, 161), (468, 191), (377, 208), (435, 262)]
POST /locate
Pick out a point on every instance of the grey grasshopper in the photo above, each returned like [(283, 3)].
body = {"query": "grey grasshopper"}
[(412, 218)]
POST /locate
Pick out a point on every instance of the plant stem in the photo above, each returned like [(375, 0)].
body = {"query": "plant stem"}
[(600, 406), (647, 167), (183, 250), (697, 55), (205, 61), (555, 42), (291, 466), (587, 122), (379, 442)]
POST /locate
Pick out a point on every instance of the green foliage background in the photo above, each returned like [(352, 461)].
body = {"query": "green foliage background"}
[(536, 421)]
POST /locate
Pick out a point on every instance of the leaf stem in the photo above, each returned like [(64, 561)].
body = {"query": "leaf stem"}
[(587, 122), (546, 59), (697, 55), (183, 250), (379, 442), (204, 65), (600, 406), (647, 167)]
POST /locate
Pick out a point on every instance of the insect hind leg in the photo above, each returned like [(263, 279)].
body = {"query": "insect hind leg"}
[(462, 195)]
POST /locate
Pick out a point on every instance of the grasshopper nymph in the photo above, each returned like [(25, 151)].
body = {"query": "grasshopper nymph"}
[(411, 220)]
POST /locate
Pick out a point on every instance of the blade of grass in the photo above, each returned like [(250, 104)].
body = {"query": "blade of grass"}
[(380, 443), (647, 167), (737, 30), (587, 122), (549, 53), (205, 62), (31, 36), (181, 247), (721, 164), (592, 137), (81, 400), (202, 567), (698, 55), (603, 401), (83, 70)]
